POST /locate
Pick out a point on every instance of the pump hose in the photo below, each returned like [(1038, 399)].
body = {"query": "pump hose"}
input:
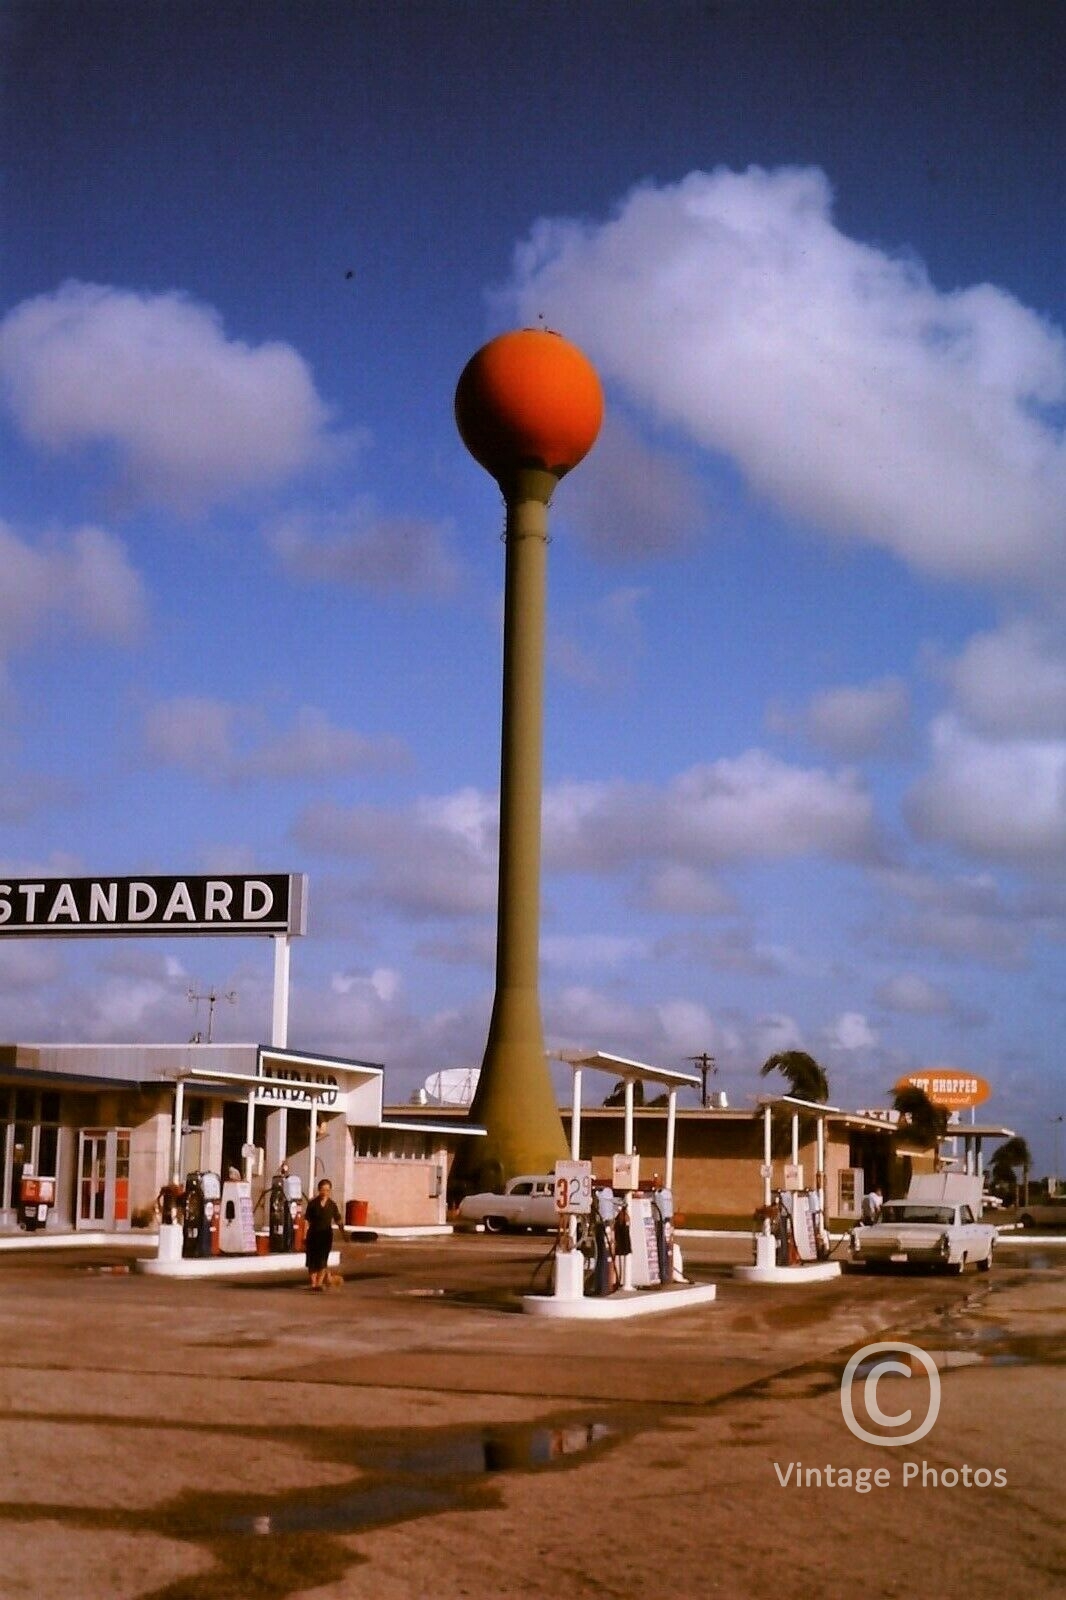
[(541, 1264)]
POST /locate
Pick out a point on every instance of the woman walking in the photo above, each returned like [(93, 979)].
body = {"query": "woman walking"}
[(321, 1217)]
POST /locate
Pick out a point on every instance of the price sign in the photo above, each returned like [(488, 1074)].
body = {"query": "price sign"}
[(573, 1188)]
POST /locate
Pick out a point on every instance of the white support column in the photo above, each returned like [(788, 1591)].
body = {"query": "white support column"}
[(765, 1245), (767, 1160), (312, 1147), (279, 1032), (175, 1132), (575, 1117), (819, 1177), (249, 1135), (671, 1129), (795, 1138), (628, 1134)]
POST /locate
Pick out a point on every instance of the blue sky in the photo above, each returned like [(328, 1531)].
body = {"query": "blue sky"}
[(805, 764)]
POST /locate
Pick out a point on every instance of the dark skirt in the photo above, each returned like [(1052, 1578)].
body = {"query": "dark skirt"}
[(319, 1243)]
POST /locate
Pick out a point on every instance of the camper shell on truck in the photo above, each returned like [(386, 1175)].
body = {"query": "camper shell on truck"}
[(935, 1226)]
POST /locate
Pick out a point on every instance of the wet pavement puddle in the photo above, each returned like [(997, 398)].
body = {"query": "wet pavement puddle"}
[(423, 1478), (272, 1544)]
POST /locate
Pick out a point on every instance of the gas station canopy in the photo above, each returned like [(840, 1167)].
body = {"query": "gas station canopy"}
[(629, 1071)]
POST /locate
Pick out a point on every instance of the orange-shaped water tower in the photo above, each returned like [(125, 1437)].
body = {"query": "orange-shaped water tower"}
[(528, 406), (528, 399)]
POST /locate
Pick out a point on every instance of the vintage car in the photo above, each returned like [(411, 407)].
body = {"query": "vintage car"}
[(935, 1233), (526, 1202)]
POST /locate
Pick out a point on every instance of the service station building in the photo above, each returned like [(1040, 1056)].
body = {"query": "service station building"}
[(113, 1124)]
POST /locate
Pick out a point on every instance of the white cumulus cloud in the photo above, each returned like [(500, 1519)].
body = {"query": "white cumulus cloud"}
[(1012, 680), (225, 743), (852, 720), (84, 578), (1003, 800), (850, 1031), (439, 857), (361, 547), (632, 499), (851, 392), (192, 416), (914, 995)]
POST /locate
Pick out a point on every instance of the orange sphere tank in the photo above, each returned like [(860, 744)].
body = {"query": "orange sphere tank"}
[(528, 398)]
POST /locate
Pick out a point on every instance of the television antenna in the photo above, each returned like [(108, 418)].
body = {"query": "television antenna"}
[(212, 997)]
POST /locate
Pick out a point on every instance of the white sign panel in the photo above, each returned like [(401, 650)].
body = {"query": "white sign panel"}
[(573, 1188), (625, 1172)]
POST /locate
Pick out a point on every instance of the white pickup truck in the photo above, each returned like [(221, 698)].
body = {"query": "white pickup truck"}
[(935, 1226), (526, 1202)]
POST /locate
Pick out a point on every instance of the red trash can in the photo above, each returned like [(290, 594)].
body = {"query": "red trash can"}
[(356, 1213)]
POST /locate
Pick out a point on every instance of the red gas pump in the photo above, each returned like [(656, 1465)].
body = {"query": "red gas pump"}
[(35, 1197)]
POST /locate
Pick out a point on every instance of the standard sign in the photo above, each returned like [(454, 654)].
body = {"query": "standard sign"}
[(274, 904)]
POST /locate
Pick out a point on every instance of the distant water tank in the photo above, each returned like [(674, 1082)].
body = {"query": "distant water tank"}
[(718, 1100)]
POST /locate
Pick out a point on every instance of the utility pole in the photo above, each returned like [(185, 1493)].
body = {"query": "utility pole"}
[(707, 1066), (212, 997)]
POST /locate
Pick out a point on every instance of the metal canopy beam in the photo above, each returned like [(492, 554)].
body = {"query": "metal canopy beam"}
[(630, 1071)]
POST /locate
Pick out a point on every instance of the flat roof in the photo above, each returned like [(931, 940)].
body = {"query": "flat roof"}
[(464, 1130), (851, 1119), (979, 1130)]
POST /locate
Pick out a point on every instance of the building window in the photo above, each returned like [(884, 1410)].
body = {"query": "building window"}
[(375, 1145), (29, 1137)]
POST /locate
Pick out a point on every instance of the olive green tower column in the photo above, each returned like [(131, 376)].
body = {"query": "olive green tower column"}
[(528, 407)]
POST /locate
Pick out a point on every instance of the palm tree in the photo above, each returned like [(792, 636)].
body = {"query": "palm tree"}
[(806, 1080), (920, 1119), (617, 1096), (1011, 1155)]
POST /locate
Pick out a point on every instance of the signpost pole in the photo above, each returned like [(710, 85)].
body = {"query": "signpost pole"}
[(279, 1032)]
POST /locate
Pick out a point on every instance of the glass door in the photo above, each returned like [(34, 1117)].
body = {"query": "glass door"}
[(92, 1178)]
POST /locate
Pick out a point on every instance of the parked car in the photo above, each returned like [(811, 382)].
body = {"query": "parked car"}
[(526, 1202), (937, 1234)]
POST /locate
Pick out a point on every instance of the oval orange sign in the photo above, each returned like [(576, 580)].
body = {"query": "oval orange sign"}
[(948, 1087)]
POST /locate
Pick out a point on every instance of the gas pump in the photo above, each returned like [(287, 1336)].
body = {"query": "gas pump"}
[(200, 1228), (780, 1232), (604, 1210), (34, 1198), (284, 1211), (669, 1266), (797, 1227)]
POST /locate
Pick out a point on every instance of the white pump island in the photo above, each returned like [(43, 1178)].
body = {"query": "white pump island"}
[(615, 1255)]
